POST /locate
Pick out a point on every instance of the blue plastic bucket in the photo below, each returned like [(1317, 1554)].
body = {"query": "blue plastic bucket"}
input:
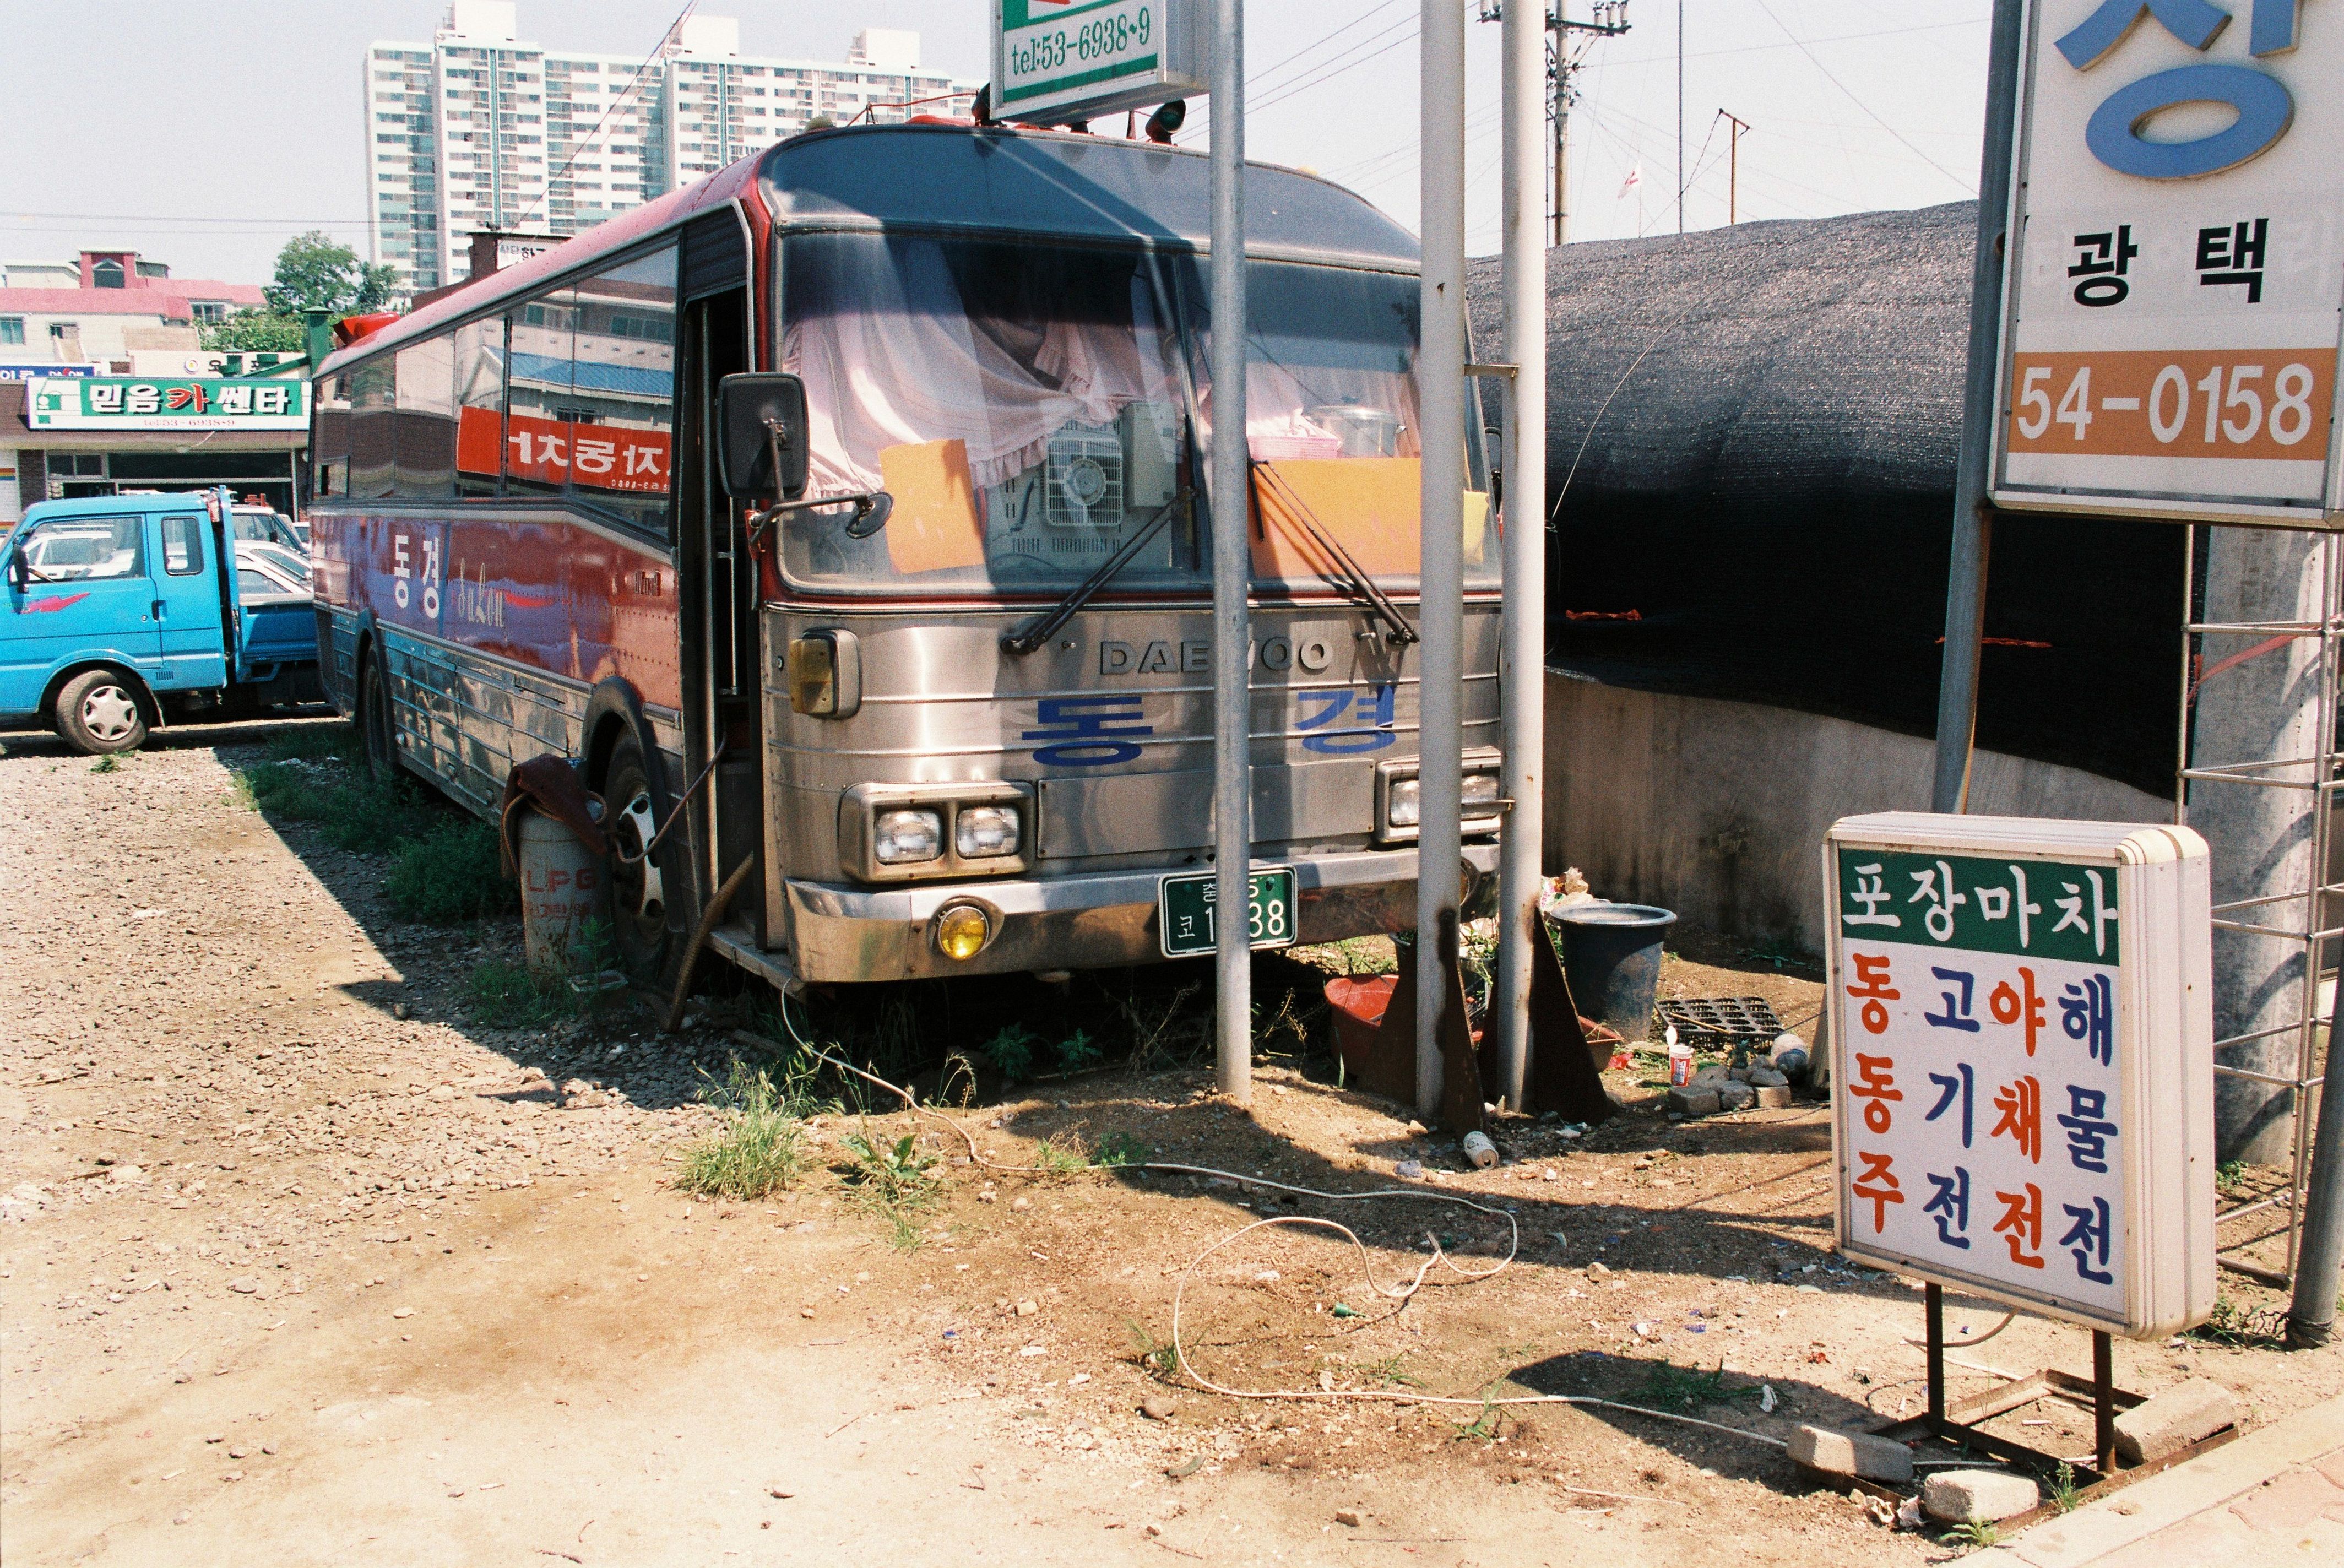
[(1612, 955)]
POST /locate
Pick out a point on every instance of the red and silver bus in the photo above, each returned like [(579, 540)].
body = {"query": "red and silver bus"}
[(852, 503)]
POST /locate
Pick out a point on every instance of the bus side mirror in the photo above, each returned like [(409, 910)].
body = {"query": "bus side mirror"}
[(761, 419)]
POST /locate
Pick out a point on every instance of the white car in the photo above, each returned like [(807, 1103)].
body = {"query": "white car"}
[(269, 570)]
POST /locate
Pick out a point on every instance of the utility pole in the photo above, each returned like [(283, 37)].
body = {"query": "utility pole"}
[(1733, 167), (1680, 116), (1565, 50)]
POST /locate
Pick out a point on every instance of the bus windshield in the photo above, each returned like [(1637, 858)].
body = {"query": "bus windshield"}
[(1032, 410)]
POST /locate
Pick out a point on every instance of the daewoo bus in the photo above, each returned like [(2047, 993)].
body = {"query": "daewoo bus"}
[(949, 700)]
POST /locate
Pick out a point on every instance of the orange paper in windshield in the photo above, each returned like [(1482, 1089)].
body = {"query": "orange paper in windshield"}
[(934, 526), (1370, 506)]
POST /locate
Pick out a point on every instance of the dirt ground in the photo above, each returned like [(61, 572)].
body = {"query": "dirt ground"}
[(298, 1261)]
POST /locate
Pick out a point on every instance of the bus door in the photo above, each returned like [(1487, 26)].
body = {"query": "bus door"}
[(718, 578)]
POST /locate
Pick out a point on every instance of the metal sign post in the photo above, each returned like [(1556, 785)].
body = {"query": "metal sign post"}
[(1440, 392), (1522, 635), (1231, 492)]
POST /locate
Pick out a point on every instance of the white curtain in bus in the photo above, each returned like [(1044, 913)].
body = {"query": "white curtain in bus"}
[(883, 370)]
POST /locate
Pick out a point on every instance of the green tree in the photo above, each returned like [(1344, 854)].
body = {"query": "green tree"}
[(315, 273), (257, 331)]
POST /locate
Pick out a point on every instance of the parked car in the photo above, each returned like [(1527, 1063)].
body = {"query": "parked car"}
[(262, 524), (129, 612)]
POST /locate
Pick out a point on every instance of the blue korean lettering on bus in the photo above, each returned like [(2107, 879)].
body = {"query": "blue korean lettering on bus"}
[(2116, 131), (1372, 709), (1088, 732)]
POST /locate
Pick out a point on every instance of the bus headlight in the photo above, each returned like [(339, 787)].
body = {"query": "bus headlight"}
[(1479, 798), (907, 838), (1404, 805), (961, 931), (985, 831)]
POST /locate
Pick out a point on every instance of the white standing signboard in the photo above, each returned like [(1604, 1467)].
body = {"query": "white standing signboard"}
[(2174, 299), (1058, 60), (2021, 1054)]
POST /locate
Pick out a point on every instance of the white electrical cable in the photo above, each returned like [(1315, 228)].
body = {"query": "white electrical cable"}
[(1400, 1294)]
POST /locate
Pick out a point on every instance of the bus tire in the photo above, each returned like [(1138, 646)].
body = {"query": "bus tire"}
[(375, 720), (100, 711), (643, 947)]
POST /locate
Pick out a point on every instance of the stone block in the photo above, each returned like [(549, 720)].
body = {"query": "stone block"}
[(1736, 1096), (2172, 1420), (1857, 1454), (1955, 1496), (1693, 1101), (1771, 1096), (1768, 1079)]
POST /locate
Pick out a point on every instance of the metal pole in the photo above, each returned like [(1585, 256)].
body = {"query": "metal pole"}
[(2311, 1315), (1521, 668), (1231, 494), (1932, 1309), (1440, 396), (1561, 79), (1680, 116), (1973, 514), (2104, 1403)]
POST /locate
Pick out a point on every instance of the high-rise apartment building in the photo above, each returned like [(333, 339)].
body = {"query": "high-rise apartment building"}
[(478, 130)]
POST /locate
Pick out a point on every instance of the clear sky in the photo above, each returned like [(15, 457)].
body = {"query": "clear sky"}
[(205, 135)]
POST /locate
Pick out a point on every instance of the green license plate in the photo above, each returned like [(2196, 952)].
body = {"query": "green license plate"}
[(1183, 910)]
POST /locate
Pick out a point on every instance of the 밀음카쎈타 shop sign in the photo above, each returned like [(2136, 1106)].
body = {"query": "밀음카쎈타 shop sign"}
[(2174, 299), (2022, 1086)]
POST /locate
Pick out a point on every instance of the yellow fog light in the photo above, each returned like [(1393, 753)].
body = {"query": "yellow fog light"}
[(961, 931)]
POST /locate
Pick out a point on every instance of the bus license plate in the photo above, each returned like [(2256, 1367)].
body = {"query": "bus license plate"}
[(1183, 910)]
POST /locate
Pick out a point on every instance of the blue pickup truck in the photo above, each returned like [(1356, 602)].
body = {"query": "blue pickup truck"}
[(126, 611)]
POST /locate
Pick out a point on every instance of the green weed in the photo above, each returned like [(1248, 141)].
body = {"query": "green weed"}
[(2063, 1488), (354, 813), (1117, 1150), (1158, 1357), (2231, 1324), (1483, 1428), (503, 996), (1975, 1533), (2230, 1179), (108, 763), (761, 1148), (450, 875), (1385, 1372), (1012, 1051), (1078, 1052), (311, 743), (1062, 1158), (895, 1182), (1670, 1386)]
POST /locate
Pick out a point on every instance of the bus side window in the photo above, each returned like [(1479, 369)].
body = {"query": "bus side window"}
[(373, 429), (622, 391)]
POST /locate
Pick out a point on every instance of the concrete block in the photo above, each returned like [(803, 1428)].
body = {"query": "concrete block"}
[(1955, 1496), (1736, 1096), (2172, 1420), (1768, 1079), (1694, 1101), (1770, 1098), (1857, 1454)]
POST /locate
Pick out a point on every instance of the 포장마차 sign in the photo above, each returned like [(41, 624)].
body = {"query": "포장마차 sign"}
[(2022, 1056), (2174, 299)]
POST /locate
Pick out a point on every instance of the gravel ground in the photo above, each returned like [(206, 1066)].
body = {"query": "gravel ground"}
[(295, 1256)]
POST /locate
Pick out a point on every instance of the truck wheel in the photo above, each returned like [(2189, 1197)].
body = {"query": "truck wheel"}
[(97, 712), (374, 720), (641, 935)]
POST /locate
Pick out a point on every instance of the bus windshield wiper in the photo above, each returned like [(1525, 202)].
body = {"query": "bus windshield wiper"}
[(1044, 626), (1362, 589)]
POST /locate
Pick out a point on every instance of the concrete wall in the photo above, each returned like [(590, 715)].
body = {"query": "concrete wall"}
[(1717, 810)]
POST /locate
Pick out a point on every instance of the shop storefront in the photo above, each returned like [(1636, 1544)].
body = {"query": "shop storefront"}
[(67, 435)]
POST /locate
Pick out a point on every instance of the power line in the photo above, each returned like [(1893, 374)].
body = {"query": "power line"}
[(1967, 188), (617, 99)]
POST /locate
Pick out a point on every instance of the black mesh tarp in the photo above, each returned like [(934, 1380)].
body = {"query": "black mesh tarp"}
[(1752, 432)]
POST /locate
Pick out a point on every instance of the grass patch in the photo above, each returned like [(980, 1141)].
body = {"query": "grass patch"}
[(1975, 1533), (1670, 1386), (1385, 1372), (353, 811), (502, 996), (1158, 1357), (108, 763), (450, 876), (2230, 1179), (2063, 1488), (895, 1182), (761, 1148), (2231, 1324)]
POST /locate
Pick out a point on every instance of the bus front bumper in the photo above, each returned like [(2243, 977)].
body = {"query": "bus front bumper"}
[(1094, 921)]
